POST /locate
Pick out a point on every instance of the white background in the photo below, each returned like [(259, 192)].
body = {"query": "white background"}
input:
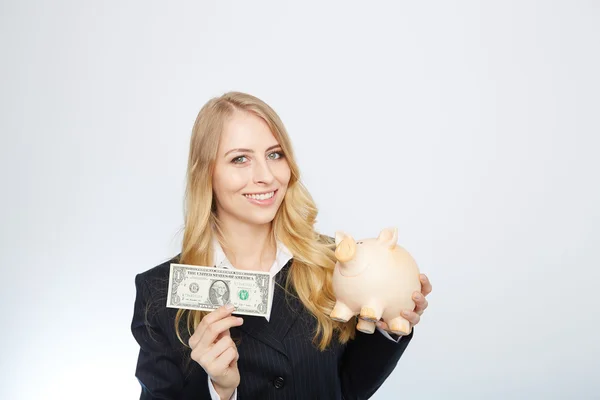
[(471, 126)]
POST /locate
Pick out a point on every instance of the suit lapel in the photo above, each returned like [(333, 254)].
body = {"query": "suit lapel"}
[(284, 312), (286, 307)]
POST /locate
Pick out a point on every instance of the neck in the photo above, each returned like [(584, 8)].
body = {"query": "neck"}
[(249, 247)]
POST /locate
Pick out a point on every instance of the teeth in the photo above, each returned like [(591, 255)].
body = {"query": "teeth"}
[(264, 196)]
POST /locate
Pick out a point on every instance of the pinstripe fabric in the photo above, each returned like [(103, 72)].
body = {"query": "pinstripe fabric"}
[(277, 357)]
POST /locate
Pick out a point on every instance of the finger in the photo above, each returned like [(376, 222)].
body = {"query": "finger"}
[(218, 314), (207, 359), (421, 303), (383, 325), (225, 360), (235, 360), (411, 316), (425, 285), (225, 333), (421, 309), (213, 316), (213, 330)]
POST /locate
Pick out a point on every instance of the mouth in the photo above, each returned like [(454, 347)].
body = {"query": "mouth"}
[(263, 198)]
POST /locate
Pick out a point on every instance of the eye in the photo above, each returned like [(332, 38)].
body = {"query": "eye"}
[(238, 160), (358, 242), (278, 155)]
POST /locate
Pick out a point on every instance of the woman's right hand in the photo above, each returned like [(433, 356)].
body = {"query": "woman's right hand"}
[(215, 351)]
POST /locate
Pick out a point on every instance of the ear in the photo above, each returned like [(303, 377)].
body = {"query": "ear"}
[(388, 236), (339, 236)]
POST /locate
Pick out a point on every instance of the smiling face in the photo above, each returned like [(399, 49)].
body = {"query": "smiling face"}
[(251, 173)]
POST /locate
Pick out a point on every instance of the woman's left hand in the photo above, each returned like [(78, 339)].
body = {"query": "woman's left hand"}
[(421, 303)]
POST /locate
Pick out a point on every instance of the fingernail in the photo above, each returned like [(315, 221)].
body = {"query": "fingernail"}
[(240, 320), (418, 297), (405, 313), (229, 307)]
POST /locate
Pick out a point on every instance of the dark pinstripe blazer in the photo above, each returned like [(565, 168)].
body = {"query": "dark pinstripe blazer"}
[(277, 359)]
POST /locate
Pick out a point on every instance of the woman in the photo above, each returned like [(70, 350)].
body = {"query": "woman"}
[(246, 208)]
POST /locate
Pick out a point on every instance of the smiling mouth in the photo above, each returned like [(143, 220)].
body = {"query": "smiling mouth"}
[(261, 196)]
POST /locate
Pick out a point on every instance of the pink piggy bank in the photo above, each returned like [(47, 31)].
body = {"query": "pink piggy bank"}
[(375, 278)]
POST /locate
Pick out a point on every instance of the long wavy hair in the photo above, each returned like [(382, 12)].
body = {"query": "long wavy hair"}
[(311, 271)]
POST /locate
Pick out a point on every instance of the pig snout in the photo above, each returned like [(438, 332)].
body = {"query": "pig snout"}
[(345, 250)]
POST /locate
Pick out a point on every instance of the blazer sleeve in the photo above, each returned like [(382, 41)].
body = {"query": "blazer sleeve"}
[(367, 361), (158, 368)]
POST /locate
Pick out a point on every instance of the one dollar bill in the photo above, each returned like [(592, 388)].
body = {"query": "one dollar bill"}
[(202, 288)]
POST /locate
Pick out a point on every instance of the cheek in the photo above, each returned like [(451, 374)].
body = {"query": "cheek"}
[(283, 174), (228, 182)]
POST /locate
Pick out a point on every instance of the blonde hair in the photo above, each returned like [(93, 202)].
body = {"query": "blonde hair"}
[(312, 267)]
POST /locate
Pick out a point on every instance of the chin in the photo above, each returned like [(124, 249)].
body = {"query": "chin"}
[(259, 219)]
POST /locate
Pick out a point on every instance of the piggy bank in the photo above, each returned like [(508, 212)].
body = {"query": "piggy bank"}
[(376, 279)]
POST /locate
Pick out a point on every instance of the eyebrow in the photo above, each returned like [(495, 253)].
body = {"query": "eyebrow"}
[(251, 151)]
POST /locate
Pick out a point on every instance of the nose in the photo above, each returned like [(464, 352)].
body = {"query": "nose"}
[(262, 173), (345, 251)]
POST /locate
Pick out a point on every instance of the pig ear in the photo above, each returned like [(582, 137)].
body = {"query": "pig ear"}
[(339, 236), (388, 236)]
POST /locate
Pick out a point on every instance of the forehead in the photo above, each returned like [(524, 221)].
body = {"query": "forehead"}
[(246, 130)]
